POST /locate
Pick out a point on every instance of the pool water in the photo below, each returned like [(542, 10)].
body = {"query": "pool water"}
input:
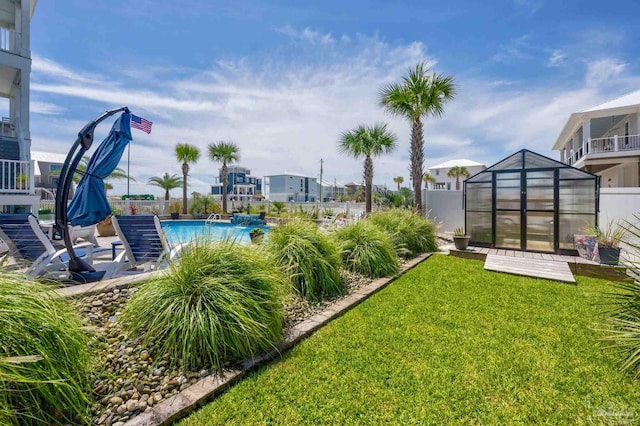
[(183, 231)]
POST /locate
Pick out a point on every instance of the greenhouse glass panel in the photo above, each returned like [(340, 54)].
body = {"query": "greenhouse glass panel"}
[(577, 196), (513, 162), (479, 227), (540, 231), (573, 224), (508, 230), (480, 177), (479, 196), (535, 161)]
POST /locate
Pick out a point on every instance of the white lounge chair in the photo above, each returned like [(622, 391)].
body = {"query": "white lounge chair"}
[(28, 242), (144, 244)]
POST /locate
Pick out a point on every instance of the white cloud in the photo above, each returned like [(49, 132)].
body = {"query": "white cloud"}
[(557, 58), (39, 107), (308, 35), (288, 113), (603, 71)]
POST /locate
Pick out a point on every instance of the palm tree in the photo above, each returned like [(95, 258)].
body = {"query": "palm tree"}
[(399, 180), (428, 179), (420, 94), (186, 154), (224, 152), (456, 172), (367, 142), (166, 182)]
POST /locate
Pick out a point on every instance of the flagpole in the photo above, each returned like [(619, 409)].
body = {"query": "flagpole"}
[(128, 162)]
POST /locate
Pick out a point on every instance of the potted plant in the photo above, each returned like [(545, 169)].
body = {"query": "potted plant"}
[(174, 209), (256, 235), (460, 239), (105, 228), (609, 240)]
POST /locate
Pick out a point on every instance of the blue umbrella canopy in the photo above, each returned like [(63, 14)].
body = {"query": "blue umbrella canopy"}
[(89, 204)]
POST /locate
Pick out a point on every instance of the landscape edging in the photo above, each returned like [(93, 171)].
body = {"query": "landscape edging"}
[(201, 392)]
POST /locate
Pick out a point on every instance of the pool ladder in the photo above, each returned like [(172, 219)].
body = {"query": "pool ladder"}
[(213, 217)]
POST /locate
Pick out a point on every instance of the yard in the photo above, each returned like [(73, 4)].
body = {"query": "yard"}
[(446, 343)]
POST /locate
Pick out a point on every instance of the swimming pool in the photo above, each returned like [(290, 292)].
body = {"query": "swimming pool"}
[(182, 231)]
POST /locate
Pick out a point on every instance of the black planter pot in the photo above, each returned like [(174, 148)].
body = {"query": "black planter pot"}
[(609, 256), (256, 237), (175, 216), (461, 243)]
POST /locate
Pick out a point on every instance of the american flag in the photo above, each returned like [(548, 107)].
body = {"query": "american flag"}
[(141, 123)]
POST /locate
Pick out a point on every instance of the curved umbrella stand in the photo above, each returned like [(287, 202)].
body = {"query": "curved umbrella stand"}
[(79, 269)]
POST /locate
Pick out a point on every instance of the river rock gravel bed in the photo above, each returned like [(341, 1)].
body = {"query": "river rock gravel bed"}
[(128, 380)]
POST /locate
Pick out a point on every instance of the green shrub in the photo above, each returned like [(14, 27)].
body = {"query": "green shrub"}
[(49, 382), (410, 233), (278, 207), (367, 250), (623, 326), (220, 302), (310, 259)]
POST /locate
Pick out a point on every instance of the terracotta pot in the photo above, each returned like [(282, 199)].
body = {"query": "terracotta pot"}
[(105, 229)]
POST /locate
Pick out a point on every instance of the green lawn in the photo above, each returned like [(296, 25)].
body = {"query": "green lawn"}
[(446, 343)]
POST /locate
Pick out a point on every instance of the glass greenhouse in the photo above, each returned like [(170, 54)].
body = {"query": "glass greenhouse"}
[(530, 202)]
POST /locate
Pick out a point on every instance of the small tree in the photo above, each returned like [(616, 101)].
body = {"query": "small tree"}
[(166, 182), (278, 206), (224, 152), (367, 142), (186, 154), (456, 172), (428, 179), (399, 180)]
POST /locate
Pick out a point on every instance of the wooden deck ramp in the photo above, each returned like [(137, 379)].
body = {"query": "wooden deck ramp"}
[(537, 268)]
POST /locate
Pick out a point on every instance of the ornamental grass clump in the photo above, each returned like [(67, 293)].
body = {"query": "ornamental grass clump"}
[(410, 233), (308, 257), (218, 303), (44, 356), (623, 315), (367, 250)]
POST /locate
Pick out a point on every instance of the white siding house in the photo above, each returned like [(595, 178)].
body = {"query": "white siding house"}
[(605, 140), (444, 182)]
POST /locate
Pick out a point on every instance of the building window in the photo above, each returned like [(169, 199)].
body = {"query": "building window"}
[(55, 167), (437, 172)]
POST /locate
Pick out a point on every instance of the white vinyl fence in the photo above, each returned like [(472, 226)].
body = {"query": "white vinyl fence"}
[(160, 207)]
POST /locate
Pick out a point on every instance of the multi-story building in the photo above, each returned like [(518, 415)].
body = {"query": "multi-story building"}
[(332, 191), (241, 186), (605, 140), (440, 173), (17, 185), (291, 187)]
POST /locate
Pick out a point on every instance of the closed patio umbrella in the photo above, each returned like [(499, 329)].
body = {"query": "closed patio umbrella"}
[(89, 204)]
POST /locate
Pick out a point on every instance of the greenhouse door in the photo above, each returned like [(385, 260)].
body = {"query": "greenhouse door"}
[(508, 209), (525, 206), (539, 211)]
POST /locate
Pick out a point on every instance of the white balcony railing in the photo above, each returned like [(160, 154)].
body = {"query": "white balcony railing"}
[(7, 38), (614, 143), (609, 144), (16, 177)]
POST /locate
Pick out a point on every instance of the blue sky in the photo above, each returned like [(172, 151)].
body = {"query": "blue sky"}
[(283, 79)]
